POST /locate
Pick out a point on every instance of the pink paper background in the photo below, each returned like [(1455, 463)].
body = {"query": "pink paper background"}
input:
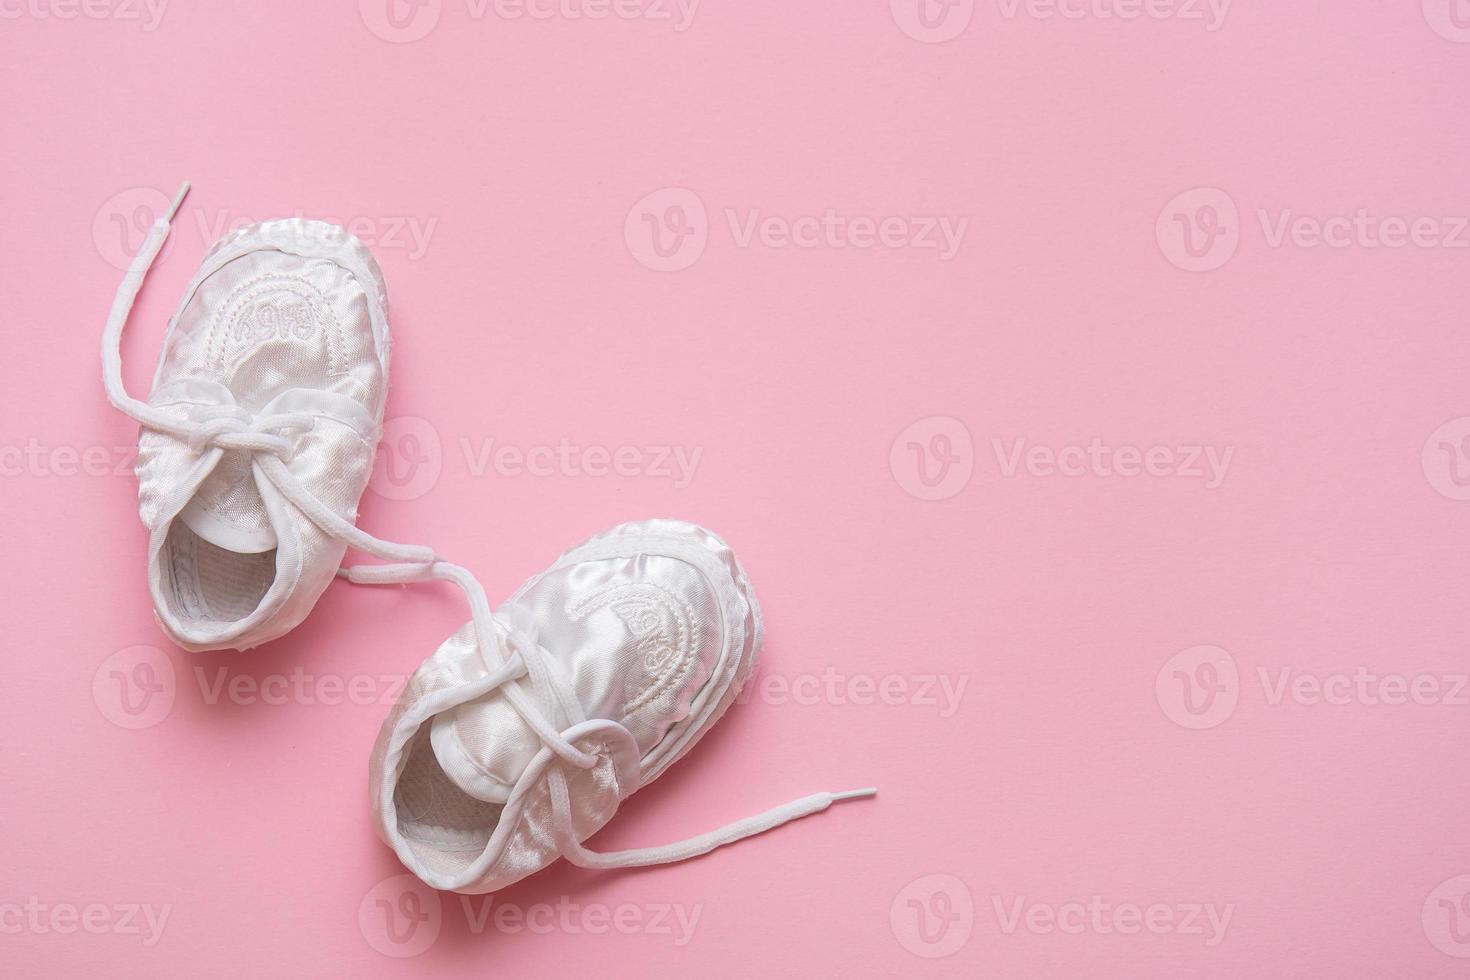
[(1075, 764)]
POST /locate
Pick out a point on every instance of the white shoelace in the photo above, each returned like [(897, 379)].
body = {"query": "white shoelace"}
[(232, 429)]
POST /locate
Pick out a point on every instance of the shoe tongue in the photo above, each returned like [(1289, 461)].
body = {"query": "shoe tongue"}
[(483, 746), (631, 637), (228, 511)]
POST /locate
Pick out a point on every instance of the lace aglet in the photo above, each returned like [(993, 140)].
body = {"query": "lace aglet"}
[(855, 794), (173, 207)]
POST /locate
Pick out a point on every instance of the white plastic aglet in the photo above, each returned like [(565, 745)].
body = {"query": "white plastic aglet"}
[(173, 208)]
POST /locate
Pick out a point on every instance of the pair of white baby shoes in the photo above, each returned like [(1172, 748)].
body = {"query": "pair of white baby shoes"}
[(519, 738)]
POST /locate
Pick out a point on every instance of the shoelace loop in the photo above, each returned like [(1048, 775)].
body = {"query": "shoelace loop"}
[(230, 427)]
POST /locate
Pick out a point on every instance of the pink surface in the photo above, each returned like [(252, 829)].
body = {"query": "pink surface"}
[(1119, 535)]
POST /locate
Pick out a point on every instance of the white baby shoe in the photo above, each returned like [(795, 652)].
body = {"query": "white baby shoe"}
[(518, 739), (258, 437)]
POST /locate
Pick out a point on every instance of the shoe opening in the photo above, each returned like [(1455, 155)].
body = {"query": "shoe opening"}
[(445, 827), (206, 584)]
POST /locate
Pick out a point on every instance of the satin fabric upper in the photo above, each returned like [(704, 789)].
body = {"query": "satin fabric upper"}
[(653, 628), (287, 316)]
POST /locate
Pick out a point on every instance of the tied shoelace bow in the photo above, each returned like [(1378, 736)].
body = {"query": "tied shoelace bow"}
[(231, 428)]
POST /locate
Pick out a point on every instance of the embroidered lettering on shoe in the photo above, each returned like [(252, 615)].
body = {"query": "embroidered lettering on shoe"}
[(274, 308), (662, 631)]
